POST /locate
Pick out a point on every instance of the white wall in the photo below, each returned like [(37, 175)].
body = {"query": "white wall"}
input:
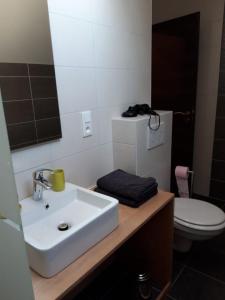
[(208, 75), (102, 55), (131, 154), (24, 32)]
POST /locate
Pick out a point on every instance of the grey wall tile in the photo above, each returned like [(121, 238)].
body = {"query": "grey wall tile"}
[(218, 170), (49, 128), (41, 70), (8, 69), (18, 111), (15, 88), (43, 87), (46, 108), (220, 128), (222, 83), (29, 94), (22, 135), (221, 106), (217, 189), (219, 149)]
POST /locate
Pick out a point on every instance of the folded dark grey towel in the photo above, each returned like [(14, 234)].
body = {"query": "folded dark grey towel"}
[(122, 184), (127, 201)]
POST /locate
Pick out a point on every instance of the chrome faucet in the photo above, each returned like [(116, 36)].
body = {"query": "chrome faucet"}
[(40, 183)]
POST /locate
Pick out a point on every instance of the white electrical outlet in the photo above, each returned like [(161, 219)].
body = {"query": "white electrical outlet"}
[(155, 138), (87, 123)]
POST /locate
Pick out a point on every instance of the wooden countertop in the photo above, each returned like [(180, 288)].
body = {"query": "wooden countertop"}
[(130, 221)]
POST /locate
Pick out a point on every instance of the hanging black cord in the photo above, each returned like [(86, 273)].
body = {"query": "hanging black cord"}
[(157, 118)]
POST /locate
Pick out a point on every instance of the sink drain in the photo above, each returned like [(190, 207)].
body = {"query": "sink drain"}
[(63, 226)]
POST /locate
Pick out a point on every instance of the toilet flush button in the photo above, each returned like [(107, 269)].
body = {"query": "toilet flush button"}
[(155, 138), (87, 123)]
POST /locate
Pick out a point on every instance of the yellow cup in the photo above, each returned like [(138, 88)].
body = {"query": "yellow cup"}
[(58, 180)]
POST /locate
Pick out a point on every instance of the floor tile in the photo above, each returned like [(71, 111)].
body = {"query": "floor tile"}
[(184, 258), (192, 285), (177, 269), (126, 290), (210, 262), (170, 298), (83, 296)]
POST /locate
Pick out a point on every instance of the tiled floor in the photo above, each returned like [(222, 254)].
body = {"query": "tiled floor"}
[(200, 274), (197, 275)]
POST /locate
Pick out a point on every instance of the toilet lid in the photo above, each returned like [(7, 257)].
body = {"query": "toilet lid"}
[(197, 212)]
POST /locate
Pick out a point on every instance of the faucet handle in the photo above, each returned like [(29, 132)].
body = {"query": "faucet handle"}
[(39, 174), (43, 183)]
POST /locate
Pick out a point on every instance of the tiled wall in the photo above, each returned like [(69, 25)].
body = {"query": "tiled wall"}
[(211, 23), (102, 55), (30, 103), (217, 189)]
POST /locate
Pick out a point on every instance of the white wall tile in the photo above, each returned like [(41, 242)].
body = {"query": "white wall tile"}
[(24, 181), (140, 12), (31, 157), (67, 144), (114, 13), (76, 89), (138, 86), (94, 52), (111, 47), (69, 165), (72, 132), (84, 168), (105, 116), (126, 15), (73, 8), (72, 41), (112, 87), (91, 141), (138, 51)]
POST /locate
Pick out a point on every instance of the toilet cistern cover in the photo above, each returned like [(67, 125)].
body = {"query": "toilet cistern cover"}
[(198, 212)]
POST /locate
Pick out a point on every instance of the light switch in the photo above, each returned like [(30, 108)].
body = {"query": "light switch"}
[(87, 123)]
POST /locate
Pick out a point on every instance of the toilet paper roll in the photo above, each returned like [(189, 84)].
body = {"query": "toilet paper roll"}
[(182, 174)]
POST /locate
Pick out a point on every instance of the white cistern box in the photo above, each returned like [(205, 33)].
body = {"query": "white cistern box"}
[(141, 150)]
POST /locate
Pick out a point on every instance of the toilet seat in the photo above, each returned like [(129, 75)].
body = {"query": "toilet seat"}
[(198, 215)]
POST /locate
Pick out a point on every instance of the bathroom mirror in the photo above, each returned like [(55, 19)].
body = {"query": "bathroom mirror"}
[(27, 76)]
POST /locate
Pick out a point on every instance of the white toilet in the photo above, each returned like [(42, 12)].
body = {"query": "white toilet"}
[(195, 220)]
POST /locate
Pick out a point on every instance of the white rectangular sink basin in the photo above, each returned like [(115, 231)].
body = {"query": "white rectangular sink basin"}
[(90, 217)]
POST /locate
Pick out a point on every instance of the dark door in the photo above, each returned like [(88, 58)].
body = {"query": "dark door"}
[(174, 82)]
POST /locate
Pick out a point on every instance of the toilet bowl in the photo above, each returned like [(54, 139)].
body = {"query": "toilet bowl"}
[(195, 220)]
